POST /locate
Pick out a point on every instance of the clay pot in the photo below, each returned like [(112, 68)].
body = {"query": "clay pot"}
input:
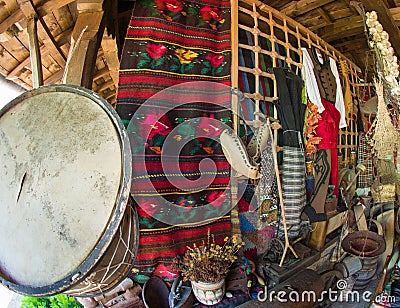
[(209, 293)]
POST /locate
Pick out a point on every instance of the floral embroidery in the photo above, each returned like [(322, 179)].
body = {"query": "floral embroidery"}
[(215, 60), (170, 9), (212, 16), (156, 51), (215, 64), (208, 127), (216, 198), (167, 57), (186, 201), (174, 9), (184, 61), (185, 56), (173, 6), (153, 56)]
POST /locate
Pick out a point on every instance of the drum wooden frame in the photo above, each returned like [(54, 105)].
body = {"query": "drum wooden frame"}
[(65, 179)]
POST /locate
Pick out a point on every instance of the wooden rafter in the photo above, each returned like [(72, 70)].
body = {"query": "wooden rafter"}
[(83, 54), (343, 28), (34, 49), (301, 7), (51, 5), (351, 7), (324, 15), (10, 20), (110, 49), (56, 77), (101, 73), (29, 11), (46, 8), (61, 40), (349, 26)]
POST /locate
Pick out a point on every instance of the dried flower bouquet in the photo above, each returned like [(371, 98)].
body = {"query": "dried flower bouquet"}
[(209, 262)]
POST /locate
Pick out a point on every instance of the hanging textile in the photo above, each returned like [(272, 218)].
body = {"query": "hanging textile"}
[(170, 43), (258, 208), (313, 85), (291, 114), (364, 152), (325, 91)]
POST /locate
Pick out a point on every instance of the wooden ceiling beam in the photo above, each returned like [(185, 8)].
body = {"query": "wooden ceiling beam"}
[(54, 78), (101, 73), (324, 15), (319, 28), (107, 84), (351, 6), (10, 20), (82, 57), (34, 51), (61, 39), (110, 49), (356, 44), (29, 11), (387, 21), (46, 8), (301, 7), (343, 28), (50, 5)]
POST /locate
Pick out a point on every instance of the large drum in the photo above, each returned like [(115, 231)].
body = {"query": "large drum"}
[(66, 223)]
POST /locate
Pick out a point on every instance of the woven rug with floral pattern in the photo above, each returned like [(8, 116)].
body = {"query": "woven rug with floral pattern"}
[(168, 43)]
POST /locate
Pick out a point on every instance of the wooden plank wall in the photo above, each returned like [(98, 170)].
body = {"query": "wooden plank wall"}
[(283, 33)]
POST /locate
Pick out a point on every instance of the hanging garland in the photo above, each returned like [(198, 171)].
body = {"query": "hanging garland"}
[(384, 134), (385, 52)]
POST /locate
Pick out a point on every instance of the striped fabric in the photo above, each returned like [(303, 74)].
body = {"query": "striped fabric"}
[(294, 190), (364, 153), (170, 43)]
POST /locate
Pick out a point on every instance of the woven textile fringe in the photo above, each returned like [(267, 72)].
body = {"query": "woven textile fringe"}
[(294, 190)]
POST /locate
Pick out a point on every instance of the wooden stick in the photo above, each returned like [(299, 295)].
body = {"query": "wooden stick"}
[(34, 50), (278, 182)]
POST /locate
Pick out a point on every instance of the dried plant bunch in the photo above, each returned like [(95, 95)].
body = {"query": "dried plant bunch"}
[(380, 43), (208, 262)]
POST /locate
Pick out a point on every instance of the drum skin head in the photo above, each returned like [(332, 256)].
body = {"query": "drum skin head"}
[(61, 171)]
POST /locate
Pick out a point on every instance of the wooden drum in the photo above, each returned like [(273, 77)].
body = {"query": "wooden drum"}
[(66, 223)]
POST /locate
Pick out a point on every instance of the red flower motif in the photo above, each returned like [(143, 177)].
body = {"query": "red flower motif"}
[(210, 13), (174, 6), (216, 198), (147, 208), (215, 60), (156, 51)]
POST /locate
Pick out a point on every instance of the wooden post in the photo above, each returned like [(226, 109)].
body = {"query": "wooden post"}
[(82, 56), (34, 50)]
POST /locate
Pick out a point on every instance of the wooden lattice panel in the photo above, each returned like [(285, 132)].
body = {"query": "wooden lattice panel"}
[(267, 38)]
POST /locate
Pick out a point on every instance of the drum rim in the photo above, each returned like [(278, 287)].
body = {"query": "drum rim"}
[(130, 206), (121, 201)]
